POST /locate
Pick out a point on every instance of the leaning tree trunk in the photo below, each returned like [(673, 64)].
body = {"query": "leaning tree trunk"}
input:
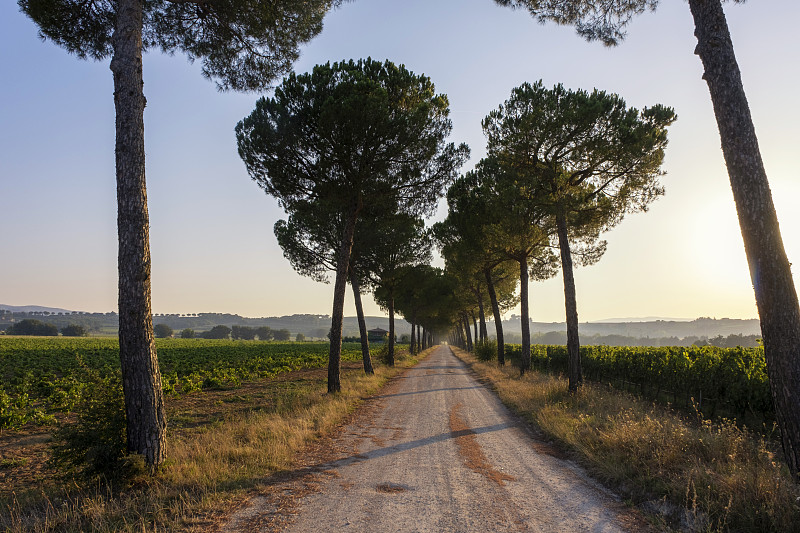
[(498, 322), (141, 379), (525, 360), (342, 266), (573, 340), (362, 324), (770, 270), (474, 325), (390, 354)]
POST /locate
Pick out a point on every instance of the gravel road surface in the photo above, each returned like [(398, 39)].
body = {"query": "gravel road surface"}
[(436, 451)]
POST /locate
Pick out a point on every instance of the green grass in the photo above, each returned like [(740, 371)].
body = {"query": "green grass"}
[(43, 376)]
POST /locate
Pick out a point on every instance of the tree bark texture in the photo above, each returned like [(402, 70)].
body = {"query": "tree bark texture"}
[(573, 340), (390, 355), (498, 322), (362, 325), (525, 360), (342, 266), (141, 378), (770, 270)]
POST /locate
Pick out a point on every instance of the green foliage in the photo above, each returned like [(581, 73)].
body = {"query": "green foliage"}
[(300, 338), (594, 21), (73, 330), (42, 376), (582, 155), (282, 335), (264, 333), (305, 145), (243, 44), (715, 380), (243, 333), (486, 350), (18, 410), (217, 332), (162, 331), (31, 326), (95, 444), (187, 333)]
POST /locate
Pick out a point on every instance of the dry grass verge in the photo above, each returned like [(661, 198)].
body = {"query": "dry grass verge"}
[(692, 474), (222, 444)]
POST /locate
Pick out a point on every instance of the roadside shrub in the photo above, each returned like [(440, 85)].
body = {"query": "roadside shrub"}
[(486, 350), (382, 355), (94, 445)]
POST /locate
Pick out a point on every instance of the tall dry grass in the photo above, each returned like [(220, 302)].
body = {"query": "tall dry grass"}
[(208, 469), (693, 474)]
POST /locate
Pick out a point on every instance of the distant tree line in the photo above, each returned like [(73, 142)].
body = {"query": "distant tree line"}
[(31, 326), (220, 331)]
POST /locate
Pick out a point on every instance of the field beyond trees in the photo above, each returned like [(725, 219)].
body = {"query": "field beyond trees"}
[(43, 377)]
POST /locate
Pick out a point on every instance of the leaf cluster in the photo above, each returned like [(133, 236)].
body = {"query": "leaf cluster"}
[(594, 20), (351, 131), (242, 44)]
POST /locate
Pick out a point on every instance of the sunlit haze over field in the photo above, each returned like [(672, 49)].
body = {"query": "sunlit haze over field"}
[(213, 249)]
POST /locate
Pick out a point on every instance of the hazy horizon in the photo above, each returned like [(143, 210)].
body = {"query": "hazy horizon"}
[(507, 316)]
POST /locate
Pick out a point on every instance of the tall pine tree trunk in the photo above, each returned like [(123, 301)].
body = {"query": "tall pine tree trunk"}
[(482, 316), (525, 360), (474, 325), (770, 270), (141, 379), (342, 266), (413, 347), (573, 340), (498, 322), (465, 320), (390, 355), (362, 325)]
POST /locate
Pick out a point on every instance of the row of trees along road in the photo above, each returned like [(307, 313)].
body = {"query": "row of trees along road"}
[(341, 147), (770, 269), (562, 166), (245, 44)]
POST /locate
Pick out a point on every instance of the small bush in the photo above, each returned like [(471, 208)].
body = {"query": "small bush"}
[(382, 355), (94, 445), (486, 350)]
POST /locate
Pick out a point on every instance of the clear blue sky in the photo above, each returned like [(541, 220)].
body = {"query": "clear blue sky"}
[(211, 227)]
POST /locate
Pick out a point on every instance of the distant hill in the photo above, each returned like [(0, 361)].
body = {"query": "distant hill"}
[(33, 309), (666, 332), (640, 319)]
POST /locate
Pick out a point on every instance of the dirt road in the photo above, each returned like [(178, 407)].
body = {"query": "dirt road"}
[(436, 452)]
